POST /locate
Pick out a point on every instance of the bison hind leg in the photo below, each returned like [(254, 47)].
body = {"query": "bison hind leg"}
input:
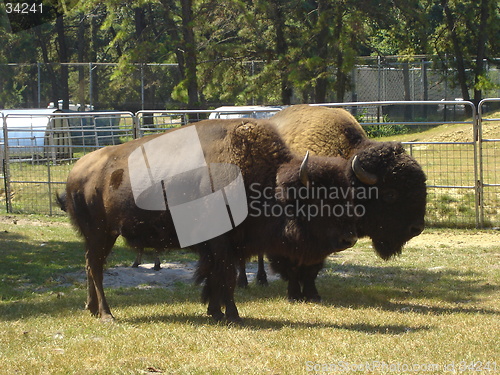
[(138, 259), (157, 265), (97, 250), (261, 273), (242, 280)]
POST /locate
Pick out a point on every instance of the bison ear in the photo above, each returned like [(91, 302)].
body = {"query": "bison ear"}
[(363, 175), (304, 170)]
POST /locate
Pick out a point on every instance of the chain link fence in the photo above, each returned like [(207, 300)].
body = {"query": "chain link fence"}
[(106, 86), (39, 150)]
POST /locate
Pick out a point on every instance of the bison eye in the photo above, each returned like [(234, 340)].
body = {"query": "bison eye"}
[(390, 196)]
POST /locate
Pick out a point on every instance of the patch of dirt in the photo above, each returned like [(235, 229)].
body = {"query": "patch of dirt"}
[(464, 134), (144, 277), (26, 220), (465, 239)]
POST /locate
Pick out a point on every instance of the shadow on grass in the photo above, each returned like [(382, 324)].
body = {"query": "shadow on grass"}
[(393, 288), (29, 267), (276, 324)]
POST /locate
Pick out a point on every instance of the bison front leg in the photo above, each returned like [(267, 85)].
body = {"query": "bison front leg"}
[(289, 272), (307, 277)]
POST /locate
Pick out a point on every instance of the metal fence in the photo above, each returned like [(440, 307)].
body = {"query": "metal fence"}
[(150, 85), (463, 176)]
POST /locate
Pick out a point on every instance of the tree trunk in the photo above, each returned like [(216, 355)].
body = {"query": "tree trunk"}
[(461, 75), (81, 68), (191, 62), (277, 17), (54, 91), (63, 58), (481, 50), (322, 40)]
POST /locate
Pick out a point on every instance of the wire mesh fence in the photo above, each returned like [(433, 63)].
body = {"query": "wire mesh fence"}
[(106, 86), (39, 150), (463, 177)]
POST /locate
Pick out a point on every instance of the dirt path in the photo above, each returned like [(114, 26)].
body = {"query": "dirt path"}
[(144, 277)]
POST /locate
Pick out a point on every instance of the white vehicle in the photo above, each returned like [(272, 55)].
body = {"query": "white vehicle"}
[(34, 133), (253, 111), (72, 106)]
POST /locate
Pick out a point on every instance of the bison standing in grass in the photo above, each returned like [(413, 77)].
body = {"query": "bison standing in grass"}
[(394, 210), (108, 195)]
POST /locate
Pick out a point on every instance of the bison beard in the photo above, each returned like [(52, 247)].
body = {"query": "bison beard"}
[(391, 219), (100, 203)]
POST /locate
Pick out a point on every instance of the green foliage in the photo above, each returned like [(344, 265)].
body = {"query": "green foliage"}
[(302, 47), (385, 130)]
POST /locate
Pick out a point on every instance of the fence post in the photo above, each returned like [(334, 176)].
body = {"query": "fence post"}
[(142, 86), (135, 125), (479, 141), (39, 85), (6, 168), (91, 88), (478, 165)]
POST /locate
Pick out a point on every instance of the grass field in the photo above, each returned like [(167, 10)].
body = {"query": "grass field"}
[(436, 305)]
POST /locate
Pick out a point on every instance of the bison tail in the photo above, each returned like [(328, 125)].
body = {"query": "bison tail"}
[(61, 200)]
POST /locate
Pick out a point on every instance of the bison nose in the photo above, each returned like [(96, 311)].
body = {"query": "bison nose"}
[(347, 240), (416, 229)]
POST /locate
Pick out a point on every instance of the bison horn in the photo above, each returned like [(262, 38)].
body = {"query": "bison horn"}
[(362, 175), (303, 173)]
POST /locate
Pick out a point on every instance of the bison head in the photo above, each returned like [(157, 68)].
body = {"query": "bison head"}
[(391, 186), (319, 215)]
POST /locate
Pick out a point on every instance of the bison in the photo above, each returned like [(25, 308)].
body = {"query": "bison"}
[(105, 199), (393, 215), (140, 253)]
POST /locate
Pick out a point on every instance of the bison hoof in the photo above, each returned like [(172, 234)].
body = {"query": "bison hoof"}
[(294, 299), (216, 315), (94, 310), (107, 318), (314, 299)]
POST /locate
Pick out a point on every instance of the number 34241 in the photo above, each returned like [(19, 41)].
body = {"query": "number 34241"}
[(23, 8)]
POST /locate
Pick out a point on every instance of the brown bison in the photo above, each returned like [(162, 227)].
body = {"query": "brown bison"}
[(107, 195), (394, 211)]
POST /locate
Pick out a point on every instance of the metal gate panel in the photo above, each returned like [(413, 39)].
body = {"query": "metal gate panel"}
[(38, 155), (489, 164)]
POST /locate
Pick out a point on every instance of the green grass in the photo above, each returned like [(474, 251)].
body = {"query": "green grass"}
[(439, 303)]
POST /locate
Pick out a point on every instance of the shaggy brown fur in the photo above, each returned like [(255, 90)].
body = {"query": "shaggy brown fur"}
[(319, 130), (100, 202), (393, 216)]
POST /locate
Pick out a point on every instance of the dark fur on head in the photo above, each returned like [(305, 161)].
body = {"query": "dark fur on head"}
[(397, 213)]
